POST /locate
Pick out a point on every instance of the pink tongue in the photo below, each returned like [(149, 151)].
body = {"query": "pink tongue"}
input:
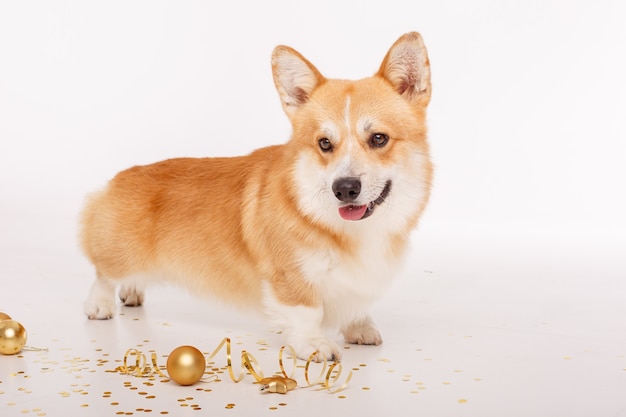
[(352, 212)]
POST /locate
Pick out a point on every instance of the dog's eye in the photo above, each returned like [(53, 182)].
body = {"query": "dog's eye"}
[(325, 145), (378, 140)]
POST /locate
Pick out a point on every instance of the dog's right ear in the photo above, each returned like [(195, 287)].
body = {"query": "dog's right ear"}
[(295, 78)]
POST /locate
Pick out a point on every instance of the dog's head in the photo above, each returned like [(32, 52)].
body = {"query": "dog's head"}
[(361, 145)]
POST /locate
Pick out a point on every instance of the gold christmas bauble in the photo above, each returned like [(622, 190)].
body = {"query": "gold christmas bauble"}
[(4, 316), (12, 337), (186, 365)]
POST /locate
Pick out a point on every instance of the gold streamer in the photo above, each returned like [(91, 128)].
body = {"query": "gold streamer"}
[(327, 379)]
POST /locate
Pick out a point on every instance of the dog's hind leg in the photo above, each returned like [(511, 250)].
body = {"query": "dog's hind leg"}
[(131, 295), (362, 331)]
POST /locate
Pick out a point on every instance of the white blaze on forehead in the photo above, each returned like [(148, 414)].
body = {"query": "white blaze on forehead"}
[(346, 118), (348, 121)]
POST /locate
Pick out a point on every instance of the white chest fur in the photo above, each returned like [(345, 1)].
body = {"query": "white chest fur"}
[(348, 285)]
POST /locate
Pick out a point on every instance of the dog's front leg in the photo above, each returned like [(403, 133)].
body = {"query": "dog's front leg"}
[(302, 326)]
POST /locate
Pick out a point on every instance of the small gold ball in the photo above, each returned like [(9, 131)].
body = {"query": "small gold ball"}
[(4, 316), (186, 365), (12, 337)]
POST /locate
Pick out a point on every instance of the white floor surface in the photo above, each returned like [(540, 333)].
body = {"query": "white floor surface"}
[(472, 327)]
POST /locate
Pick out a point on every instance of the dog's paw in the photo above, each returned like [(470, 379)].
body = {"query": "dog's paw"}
[(322, 347), (131, 296), (363, 333), (99, 309), (100, 304)]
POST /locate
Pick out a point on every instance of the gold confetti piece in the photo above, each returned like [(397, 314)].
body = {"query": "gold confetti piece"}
[(282, 404), (273, 408), (462, 401), (567, 358), (414, 391), (366, 388), (341, 396)]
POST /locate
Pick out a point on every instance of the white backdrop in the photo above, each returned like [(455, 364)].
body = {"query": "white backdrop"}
[(517, 271), (526, 122)]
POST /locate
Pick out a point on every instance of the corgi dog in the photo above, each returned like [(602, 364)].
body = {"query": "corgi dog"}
[(311, 231)]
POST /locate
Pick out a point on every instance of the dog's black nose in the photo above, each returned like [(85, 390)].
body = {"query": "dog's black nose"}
[(347, 188)]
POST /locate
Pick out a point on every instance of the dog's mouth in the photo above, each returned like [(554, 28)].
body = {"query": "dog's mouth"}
[(354, 212)]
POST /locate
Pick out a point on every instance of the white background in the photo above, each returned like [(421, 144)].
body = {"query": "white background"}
[(526, 127), (526, 119)]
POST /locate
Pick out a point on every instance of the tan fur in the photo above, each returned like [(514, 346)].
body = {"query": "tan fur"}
[(231, 227)]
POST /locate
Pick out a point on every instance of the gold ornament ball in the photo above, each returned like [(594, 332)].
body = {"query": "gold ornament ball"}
[(12, 337), (186, 365), (4, 316)]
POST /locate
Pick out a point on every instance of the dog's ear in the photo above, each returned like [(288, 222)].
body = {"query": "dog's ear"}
[(407, 68), (295, 78)]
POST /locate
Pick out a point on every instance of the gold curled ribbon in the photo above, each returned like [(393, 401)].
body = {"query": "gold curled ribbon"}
[(247, 361), (327, 378), (140, 364)]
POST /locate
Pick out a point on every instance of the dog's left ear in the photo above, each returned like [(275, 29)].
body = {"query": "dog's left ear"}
[(407, 69), (295, 78)]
